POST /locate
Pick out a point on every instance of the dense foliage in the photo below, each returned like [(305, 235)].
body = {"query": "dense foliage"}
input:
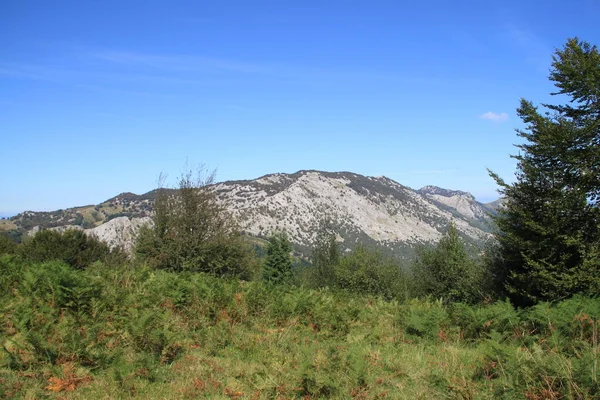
[(445, 271), (362, 270), (278, 261), (7, 244), (73, 247), (550, 223), (369, 272), (194, 232)]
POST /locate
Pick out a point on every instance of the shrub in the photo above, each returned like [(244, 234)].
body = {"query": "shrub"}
[(7, 244), (480, 321), (71, 246), (60, 285), (366, 271), (424, 318), (11, 271), (193, 232), (446, 271)]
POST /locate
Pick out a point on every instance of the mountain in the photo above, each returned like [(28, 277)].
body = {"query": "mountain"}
[(369, 210), (494, 206), (461, 204)]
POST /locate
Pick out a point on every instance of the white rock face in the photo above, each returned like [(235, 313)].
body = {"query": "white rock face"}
[(462, 202), (120, 231), (359, 207), (392, 214)]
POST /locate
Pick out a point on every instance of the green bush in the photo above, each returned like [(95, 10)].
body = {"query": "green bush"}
[(368, 272), (11, 274), (325, 258), (7, 244), (71, 246), (479, 321), (447, 272), (424, 318), (192, 231), (362, 271)]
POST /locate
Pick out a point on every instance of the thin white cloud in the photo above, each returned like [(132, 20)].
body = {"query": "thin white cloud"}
[(176, 62), (495, 117), (191, 64)]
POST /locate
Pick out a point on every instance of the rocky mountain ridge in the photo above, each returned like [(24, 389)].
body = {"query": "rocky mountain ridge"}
[(368, 210)]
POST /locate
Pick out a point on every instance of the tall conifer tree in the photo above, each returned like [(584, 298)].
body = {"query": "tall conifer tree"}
[(549, 226)]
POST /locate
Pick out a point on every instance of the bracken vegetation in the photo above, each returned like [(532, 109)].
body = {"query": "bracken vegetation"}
[(131, 331)]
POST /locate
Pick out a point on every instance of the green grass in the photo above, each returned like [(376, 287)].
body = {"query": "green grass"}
[(130, 332)]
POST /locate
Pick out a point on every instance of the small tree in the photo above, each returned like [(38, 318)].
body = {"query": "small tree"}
[(325, 257), (368, 271), (446, 271), (278, 262), (192, 231)]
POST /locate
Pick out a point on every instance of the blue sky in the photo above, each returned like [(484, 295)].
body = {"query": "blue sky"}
[(99, 97)]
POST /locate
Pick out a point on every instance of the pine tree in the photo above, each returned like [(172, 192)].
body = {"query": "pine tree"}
[(549, 225), (278, 263)]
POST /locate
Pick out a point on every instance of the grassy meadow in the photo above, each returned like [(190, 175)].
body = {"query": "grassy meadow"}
[(133, 332)]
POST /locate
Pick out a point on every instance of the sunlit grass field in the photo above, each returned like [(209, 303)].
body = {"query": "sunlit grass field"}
[(131, 332)]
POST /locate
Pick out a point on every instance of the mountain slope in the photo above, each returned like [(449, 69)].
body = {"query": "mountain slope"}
[(368, 210), (461, 204)]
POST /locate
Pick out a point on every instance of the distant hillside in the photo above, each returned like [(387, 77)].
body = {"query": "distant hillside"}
[(369, 210), (461, 204), (494, 206)]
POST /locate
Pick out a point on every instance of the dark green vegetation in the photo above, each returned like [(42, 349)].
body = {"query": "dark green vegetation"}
[(362, 271), (72, 247), (197, 312), (550, 224), (278, 261), (446, 271), (193, 232)]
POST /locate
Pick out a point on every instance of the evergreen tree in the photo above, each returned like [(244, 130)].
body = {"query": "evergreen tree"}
[(446, 271), (549, 225), (278, 263)]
